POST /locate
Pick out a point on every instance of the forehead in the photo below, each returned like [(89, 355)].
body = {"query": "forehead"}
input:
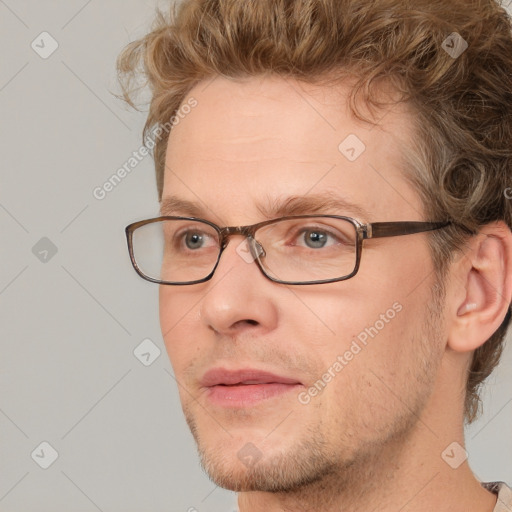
[(269, 137)]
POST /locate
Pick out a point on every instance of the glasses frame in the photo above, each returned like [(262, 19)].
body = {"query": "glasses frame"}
[(364, 232)]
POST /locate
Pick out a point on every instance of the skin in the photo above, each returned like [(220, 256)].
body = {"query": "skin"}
[(373, 438)]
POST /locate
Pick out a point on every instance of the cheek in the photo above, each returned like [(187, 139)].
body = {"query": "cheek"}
[(361, 399), (332, 317), (176, 308), (358, 328), (167, 310), (177, 322)]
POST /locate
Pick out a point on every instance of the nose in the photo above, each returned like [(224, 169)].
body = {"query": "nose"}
[(239, 296)]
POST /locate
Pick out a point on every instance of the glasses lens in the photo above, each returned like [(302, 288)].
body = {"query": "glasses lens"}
[(297, 250), (308, 249), (175, 250)]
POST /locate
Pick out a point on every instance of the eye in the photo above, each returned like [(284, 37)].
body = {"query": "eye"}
[(316, 238), (193, 240)]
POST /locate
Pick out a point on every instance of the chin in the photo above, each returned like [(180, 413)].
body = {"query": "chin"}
[(240, 465), (278, 474)]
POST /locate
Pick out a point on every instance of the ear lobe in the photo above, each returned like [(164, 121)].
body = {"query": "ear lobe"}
[(487, 281)]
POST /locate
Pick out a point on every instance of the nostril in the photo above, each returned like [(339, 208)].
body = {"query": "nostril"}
[(250, 321)]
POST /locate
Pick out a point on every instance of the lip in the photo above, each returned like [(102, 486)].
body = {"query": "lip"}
[(221, 376), (245, 387)]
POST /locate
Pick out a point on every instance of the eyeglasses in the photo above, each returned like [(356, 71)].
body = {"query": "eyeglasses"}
[(303, 249)]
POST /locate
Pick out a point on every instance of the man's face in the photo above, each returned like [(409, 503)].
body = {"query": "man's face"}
[(258, 141)]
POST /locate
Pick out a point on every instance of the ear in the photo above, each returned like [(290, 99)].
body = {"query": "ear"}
[(483, 288)]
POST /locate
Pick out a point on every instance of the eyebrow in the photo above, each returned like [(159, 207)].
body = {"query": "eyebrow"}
[(326, 203)]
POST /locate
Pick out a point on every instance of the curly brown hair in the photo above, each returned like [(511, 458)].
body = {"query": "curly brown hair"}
[(461, 158)]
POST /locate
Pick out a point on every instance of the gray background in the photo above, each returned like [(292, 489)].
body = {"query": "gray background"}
[(70, 323)]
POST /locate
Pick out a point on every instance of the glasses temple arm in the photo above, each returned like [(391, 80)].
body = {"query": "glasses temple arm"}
[(386, 229)]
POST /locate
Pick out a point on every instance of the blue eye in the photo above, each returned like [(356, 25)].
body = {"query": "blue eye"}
[(316, 238), (193, 240)]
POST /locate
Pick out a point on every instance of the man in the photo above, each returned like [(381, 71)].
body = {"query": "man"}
[(327, 360)]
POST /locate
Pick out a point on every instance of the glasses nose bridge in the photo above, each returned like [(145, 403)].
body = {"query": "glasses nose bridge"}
[(255, 247), (227, 232)]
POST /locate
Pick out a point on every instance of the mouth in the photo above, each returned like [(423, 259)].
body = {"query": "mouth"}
[(245, 387)]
